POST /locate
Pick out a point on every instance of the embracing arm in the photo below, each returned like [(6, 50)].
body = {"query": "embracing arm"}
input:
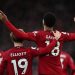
[(48, 48), (45, 50), (17, 32)]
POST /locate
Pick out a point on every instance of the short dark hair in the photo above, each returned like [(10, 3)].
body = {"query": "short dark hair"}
[(14, 39), (49, 19)]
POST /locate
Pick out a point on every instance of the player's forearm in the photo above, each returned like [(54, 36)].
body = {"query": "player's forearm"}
[(18, 33), (72, 36), (47, 49), (13, 29), (69, 37)]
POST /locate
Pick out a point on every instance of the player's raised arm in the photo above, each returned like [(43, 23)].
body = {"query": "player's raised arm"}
[(12, 28), (71, 64), (68, 36)]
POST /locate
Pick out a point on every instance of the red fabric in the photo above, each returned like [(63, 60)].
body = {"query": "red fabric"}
[(1, 53), (48, 64), (20, 57), (66, 61), (1, 56)]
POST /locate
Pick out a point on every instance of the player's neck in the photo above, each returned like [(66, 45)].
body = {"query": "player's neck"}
[(18, 44)]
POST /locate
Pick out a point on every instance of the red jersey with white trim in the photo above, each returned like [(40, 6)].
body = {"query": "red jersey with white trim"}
[(50, 62), (18, 60), (66, 62)]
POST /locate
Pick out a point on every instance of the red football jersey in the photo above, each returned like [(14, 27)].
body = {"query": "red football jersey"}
[(66, 62), (73, 72), (18, 60), (50, 62)]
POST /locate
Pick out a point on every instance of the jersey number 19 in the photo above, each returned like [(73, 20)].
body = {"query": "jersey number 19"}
[(20, 65)]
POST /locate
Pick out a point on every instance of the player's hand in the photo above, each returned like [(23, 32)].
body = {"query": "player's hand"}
[(57, 34), (3, 17)]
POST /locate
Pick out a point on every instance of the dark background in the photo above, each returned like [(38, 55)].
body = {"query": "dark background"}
[(27, 14)]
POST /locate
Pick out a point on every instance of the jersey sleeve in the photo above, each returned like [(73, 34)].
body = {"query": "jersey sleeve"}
[(71, 64), (46, 50), (68, 36), (73, 73), (20, 34)]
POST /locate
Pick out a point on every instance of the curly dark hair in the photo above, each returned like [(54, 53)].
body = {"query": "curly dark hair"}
[(49, 19)]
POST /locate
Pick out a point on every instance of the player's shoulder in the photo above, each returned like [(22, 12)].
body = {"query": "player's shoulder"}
[(65, 53), (38, 32), (64, 33), (68, 56), (28, 49), (9, 50), (6, 52), (18, 49)]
